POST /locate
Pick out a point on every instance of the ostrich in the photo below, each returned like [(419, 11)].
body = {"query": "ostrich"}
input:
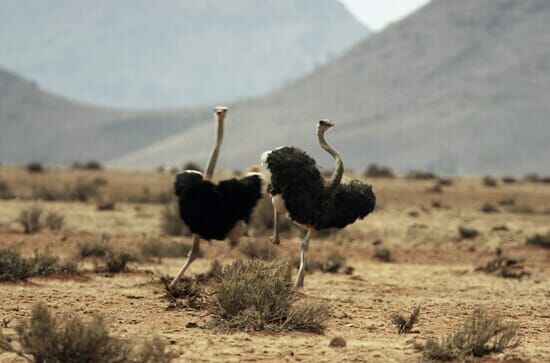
[(299, 191), (215, 211)]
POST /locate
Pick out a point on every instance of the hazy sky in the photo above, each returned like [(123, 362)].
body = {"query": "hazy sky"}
[(378, 13)]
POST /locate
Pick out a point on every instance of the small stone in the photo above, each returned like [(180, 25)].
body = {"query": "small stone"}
[(191, 324), (337, 342)]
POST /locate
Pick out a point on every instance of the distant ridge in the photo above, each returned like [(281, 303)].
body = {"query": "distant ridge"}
[(459, 87), (172, 53)]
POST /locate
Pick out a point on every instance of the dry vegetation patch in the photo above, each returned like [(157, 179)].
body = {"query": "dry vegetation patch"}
[(255, 295), (44, 338), (482, 334), (405, 325)]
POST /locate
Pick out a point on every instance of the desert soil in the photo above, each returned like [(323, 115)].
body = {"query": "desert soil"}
[(432, 266)]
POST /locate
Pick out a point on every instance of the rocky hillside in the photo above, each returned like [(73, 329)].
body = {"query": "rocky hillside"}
[(458, 87)]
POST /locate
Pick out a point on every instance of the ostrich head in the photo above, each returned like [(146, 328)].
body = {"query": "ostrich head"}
[(220, 112), (323, 125)]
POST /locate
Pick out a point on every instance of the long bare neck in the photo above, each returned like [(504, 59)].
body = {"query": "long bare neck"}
[(215, 151), (336, 177)]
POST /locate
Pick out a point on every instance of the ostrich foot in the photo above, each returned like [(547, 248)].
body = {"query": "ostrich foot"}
[(275, 240)]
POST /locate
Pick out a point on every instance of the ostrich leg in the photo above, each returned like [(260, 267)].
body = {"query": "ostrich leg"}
[(303, 249), (275, 238), (191, 256)]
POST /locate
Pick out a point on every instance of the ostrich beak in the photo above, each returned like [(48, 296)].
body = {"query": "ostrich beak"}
[(326, 123), (220, 112)]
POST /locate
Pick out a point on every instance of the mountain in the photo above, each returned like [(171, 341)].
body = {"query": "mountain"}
[(171, 53), (36, 125), (459, 87)]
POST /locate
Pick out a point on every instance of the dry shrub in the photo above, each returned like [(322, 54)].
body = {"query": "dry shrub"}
[(89, 165), (187, 292), (467, 233), (507, 201), (489, 208), (54, 221), (541, 240), (93, 248), (13, 267), (420, 175), (34, 167), (116, 261), (489, 181), (258, 249), (255, 295), (405, 325), (383, 254), (378, 171), (45, 264), (5, 191), (482, 334), (158, 249), (83, 191), (171, 222), (509, 180), (46, 339), (30, 219), (504, 266), (108, 205)]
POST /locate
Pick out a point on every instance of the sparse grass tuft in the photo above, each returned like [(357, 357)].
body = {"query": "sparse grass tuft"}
[(509, 180), (13, 267), (255, 295), (46, 339), (541, 240), (482, 334), (403, 324), (30, 219), (504, 266), (258, 249)]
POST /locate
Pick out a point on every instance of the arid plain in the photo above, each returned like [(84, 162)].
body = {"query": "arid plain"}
[(410, 252)]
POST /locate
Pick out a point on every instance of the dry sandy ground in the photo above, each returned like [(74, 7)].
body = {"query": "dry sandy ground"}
[(433, 267)]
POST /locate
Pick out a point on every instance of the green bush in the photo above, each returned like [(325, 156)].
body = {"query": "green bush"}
[(482, 334), (45, 339), (255, 295)]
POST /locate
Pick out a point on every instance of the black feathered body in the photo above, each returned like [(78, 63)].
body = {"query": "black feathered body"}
[(212, 210), (296, 178)]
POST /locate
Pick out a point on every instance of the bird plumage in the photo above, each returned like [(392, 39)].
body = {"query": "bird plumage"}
[(295, 176), (212, 210)]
